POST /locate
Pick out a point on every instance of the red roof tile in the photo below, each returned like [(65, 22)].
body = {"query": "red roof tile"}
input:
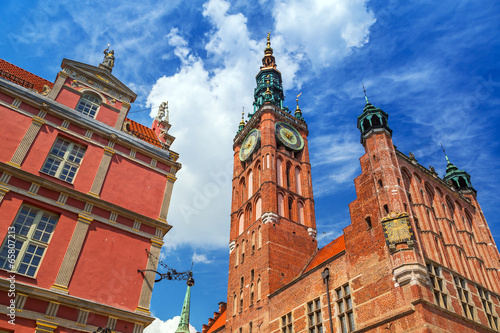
[(331, 249), (220, 322), (142, 132), (22, 77)]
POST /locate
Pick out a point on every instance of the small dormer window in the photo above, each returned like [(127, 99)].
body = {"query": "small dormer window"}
[(88, 105)]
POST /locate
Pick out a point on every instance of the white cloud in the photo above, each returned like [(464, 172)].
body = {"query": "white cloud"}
[(168, 326), (206, 97), (325, 31), (200, 258)]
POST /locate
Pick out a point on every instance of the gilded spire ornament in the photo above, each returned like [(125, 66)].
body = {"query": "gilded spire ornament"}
[(298, 111)]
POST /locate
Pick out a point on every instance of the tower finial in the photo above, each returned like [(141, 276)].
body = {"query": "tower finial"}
[(242, 122), (366, 97), (444, 152)]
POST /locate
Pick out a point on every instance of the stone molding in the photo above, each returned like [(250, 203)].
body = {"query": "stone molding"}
[(269, 217), (410, 273)]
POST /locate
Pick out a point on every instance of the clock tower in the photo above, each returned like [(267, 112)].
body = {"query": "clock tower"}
[(273, 226)]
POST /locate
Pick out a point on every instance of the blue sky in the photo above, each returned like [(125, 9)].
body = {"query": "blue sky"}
[(432, 66)]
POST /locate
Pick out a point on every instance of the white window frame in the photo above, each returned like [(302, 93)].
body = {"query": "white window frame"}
[(64, 160), (88, 105), (32, 230)]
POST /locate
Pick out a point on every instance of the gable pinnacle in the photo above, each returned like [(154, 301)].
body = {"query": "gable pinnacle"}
[(366, 97)]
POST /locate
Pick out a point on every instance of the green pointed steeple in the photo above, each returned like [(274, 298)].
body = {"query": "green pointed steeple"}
[(184, 322), (269, 84), (372, 119), (459, 179)]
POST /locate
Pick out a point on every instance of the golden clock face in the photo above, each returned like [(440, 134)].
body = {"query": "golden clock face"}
[(398, 231), (249, 144), (289, 136)]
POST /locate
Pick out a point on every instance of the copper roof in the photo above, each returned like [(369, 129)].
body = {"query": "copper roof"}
[(22, 77), (328, 251), (142, 132), (220, 322)]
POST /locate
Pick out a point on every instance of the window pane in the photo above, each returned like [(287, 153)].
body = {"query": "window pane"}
[(31, 260), (343, 324), (349, 303), (347, 290), (341, 307), (339, 293), (24, 220), (351, 321), (51, 166), (4, 254), (45, 227)]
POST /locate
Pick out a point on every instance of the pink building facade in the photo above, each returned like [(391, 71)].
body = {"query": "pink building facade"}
[(84, 198)]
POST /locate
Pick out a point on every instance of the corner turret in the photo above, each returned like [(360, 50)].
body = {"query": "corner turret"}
[(372, 120), (459, 179)]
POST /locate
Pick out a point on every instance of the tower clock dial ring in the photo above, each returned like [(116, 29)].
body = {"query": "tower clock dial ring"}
[(249, 145), (289, 136)]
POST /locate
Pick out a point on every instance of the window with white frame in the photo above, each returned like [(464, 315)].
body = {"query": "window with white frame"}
[(314, 318), (64, 160), (23, 251), (286, 323), (88, 105), (464, 297), (488, 308), (344, 307), (437, 283)]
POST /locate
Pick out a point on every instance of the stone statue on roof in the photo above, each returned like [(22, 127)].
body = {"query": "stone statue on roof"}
[(109, 58), (162, 112)]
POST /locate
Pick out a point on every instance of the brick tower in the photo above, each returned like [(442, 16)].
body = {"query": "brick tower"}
[(273, 226)]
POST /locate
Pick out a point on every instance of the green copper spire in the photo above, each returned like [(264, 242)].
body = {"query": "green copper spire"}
[(269, 84), (372, 119), (184, 322), (459, 179)]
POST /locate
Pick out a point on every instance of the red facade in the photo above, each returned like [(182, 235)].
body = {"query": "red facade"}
[(76, 227)]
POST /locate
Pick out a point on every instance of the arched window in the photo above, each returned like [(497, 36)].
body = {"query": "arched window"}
[(253, 242), (237, 256), (288, 180), (241, 226), (259, 237), (258, 208), (300, 208), (88, 105), (279, 173), (281, 204), (250, 183), (235, 305), (251, 294), (290, 208), (241, 301), (368, 221), (258, 176), (249, 217), (298, 186), (243, 187), (243, 251), (258, 289), (268, 161)]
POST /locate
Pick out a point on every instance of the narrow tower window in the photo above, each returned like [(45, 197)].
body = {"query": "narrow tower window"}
[(368, 222)]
